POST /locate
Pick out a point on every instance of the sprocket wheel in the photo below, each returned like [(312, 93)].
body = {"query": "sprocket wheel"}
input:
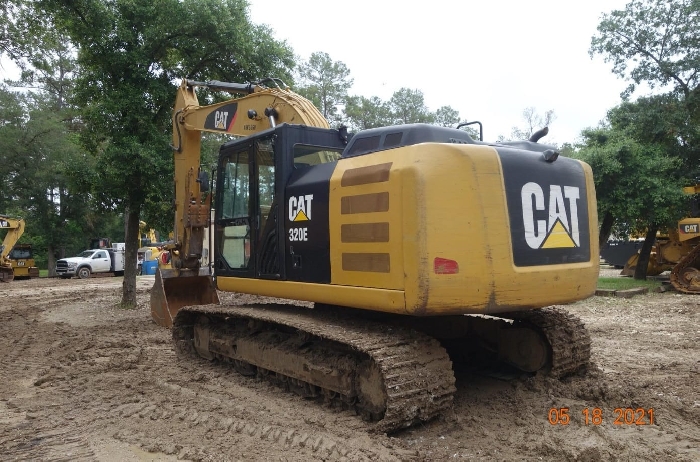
[(691, 278)]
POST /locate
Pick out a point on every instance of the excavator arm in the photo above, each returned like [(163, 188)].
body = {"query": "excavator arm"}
[(255, 108), (15, 228)]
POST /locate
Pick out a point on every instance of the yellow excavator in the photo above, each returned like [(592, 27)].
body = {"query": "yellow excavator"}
[(420, 247), (677, 250), (15, 260)]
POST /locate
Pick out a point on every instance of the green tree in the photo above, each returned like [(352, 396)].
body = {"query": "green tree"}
[(10, 10), (408, 107), (325, 83), (362, 113), (656, 43), (37, 155), (48, 67), (130, 54), (446, 116), (638, 188), (653, 41)]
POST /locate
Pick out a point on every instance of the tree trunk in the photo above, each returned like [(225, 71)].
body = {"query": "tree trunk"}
[(605, 229), (640, 272), (51, 261), (130, 258)]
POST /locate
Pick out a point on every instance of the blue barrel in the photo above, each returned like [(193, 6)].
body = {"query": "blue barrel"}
[(149, 267)]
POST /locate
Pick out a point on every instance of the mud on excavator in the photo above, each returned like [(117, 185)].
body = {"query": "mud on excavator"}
[(15, 260), (418, 245)]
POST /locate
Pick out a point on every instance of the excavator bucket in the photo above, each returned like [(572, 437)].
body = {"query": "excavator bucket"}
[(174, 289)]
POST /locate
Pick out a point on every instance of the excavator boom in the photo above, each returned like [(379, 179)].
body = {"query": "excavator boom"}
[(258, 109), (15, 227)]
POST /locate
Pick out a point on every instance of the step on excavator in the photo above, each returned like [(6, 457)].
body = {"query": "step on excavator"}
[(418, 245)]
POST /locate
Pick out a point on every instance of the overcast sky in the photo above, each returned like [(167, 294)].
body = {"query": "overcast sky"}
[(488, 59)]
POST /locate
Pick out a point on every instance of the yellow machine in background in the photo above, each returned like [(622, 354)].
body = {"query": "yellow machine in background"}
[(677, 250), (402, 236), (15, 260), (22, 259), (151, 250)]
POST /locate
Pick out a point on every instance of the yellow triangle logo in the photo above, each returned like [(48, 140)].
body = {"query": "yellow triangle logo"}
[(301, 216), (558, 238)]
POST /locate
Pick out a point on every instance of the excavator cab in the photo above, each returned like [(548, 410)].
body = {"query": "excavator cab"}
[(257, 177)]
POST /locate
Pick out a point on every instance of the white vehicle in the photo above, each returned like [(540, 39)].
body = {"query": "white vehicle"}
[(93, 261)]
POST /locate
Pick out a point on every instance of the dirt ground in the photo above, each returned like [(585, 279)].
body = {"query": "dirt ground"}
[(82, 379)]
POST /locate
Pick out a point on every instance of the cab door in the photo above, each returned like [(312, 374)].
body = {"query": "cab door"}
[(246, 217), (100, 261)]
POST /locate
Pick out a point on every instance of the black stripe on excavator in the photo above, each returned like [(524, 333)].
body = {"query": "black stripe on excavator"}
[(548, 208), (306, 219)]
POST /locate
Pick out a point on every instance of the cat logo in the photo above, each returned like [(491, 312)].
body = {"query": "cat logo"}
[(300, 208), (223, 118), (220, 118), (555, 226)]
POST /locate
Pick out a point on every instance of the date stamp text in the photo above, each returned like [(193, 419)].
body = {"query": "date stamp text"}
[(595, 416)]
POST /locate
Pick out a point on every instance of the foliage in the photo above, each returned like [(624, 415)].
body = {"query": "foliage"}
[(130, 53), (325, 83), (446, 116), (9, 9), (37, 154), (663, 120), (635, 182), (362, 113), (657, 42), (408, 107), (653, 41)]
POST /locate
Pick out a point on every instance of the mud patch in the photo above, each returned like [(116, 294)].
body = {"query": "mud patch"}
[(85, 380)]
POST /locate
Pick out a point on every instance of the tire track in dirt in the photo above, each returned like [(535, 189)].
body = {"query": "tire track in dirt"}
[(26, 435), (209, 416), (48, 444), (86, 365)]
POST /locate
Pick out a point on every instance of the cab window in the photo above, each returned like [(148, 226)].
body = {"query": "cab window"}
[(306, 156)]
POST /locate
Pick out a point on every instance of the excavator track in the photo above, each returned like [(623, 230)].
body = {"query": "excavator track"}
[(389, 374), (567, 336), (6, 274), (685, 276), (548, 341)]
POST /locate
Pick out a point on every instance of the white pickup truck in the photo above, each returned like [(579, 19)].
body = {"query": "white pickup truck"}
[(93, 261)]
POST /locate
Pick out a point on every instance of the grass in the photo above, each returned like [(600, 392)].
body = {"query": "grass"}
[(43, 273), (626, 283)]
